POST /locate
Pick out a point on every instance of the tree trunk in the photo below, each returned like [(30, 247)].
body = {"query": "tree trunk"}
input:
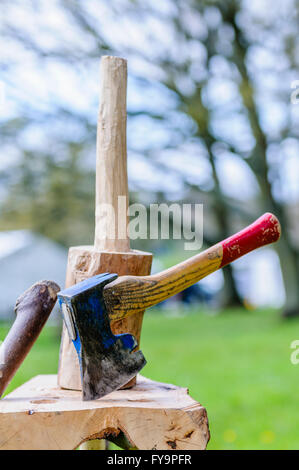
[(231, 297), (289, 256), (290, 272)]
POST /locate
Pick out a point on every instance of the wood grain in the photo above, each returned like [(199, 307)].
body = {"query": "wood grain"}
[(129, 295), (152, 415)]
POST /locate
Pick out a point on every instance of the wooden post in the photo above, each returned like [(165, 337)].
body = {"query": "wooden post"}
[(111, 166), (111, 251)]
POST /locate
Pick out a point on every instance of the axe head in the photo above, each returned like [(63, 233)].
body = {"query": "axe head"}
[(107, 361)]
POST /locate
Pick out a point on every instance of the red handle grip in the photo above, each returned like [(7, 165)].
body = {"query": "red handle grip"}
[(266, 229)]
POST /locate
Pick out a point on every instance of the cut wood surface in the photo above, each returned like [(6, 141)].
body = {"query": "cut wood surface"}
[(152, 415)]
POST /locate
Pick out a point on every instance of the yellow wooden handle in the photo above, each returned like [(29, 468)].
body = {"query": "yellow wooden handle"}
[(128, 295)]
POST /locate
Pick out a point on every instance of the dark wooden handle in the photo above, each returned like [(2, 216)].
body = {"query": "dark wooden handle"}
[(130, 294), (33, 309)]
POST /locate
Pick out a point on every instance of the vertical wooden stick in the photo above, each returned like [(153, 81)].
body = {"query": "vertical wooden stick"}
[(111, 167)]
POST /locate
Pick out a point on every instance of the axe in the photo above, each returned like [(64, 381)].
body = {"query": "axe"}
[(108, 361), (33, 308)]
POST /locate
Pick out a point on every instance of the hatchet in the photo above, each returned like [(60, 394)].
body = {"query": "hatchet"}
[(108, 361)]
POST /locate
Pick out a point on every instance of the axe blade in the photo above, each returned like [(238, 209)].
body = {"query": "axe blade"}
[(106, 361)]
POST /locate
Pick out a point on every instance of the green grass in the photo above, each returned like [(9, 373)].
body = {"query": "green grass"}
[(236, 364), (42, 359)]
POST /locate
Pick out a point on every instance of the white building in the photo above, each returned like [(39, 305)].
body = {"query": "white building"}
[(25, 258)]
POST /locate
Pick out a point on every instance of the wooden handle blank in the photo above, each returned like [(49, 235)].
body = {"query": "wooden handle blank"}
[(111, 167), (130, 294), (33, 309)]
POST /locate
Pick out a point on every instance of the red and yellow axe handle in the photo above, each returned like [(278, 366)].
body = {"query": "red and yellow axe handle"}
[(128, 295)]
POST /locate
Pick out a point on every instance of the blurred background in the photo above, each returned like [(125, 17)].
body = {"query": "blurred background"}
[(213, 119)]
